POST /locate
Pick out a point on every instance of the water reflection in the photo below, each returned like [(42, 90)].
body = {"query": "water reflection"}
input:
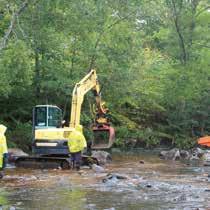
[(3, 199), (48, 199)]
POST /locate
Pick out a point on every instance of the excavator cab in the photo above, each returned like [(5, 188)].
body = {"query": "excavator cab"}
[(46, 116), (47, 121)]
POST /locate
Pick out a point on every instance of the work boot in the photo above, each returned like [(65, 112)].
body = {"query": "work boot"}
[(72, 164), (77, 166)]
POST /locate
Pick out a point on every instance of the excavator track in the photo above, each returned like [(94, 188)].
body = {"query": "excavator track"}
[(46, 162)]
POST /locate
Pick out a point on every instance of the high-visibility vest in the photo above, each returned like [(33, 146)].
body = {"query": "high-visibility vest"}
[(3, 144), (1, 156), (76, 141)]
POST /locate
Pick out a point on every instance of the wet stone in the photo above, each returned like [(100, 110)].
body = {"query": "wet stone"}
[(198, 152), (91, 206), (172, 154), (181, 198), (184, 154), (110, 208), (111, 181), (117, 176), (98, 169), (102, 157), (206, 156), (194, 157), (14, 152), (176, 154), (206, 163), (148, 185), (135, 176)]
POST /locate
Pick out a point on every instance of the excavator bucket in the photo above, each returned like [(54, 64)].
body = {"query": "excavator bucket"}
[(205, 141), (104, 136)]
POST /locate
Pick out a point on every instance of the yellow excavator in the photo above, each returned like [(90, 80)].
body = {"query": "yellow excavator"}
[(49, 146)]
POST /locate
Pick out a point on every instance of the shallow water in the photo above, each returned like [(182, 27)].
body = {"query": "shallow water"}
[(156, 184)]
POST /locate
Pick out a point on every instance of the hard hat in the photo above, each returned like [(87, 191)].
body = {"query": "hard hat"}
[(2, 129)]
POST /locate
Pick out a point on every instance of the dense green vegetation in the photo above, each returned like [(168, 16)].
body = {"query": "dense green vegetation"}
[(152, 58)]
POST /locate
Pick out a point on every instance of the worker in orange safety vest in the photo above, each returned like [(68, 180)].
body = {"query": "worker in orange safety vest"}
[(3, 149)]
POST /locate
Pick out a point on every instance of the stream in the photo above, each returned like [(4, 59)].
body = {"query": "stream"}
[(147, 183)]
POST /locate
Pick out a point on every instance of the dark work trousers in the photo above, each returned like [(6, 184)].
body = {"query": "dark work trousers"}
[(3, 166), (1, 173), (76, 158)]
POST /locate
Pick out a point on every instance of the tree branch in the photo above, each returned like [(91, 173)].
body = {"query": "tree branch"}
[(203, 45), (181, 38), (13, 21), (202, 10)]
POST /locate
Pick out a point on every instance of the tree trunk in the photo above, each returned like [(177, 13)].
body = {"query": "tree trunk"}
[(180, 36), (37, 74)]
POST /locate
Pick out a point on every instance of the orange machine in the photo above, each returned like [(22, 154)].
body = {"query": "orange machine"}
[(204, 141)]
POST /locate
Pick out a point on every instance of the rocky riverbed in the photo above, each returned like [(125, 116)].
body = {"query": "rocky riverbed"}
[(131, 181)]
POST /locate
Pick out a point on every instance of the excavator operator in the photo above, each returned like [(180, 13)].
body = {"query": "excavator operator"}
[(76, 144), (3, 149)]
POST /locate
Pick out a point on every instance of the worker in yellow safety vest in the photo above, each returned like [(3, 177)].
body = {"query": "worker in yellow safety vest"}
[(76, 144), (3, 149)]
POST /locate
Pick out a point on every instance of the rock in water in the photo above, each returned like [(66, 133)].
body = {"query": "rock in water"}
[(102, 157), (198, 152), (118, 176), (184, 154), (163, 154), (206, 156), (17, 152), (98, 169), (14, 152), (114, 178), (176, 155), (172, 154)]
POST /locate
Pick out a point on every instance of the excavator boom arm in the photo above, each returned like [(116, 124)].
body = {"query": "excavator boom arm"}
[(89, 82)]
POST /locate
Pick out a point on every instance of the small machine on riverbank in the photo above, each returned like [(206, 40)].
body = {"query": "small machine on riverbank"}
[(204, 141), (50, 148)]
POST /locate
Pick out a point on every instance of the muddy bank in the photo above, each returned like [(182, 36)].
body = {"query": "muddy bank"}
[(141, 181)]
